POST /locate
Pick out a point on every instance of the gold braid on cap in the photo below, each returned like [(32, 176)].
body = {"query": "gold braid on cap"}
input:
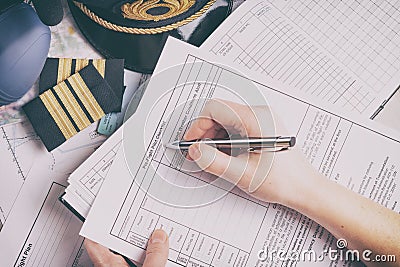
[(111, 26)]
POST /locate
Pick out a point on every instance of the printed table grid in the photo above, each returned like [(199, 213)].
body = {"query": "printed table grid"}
[(93, 179), (360, 33), (282, 53), (139, 240), (201, 178), (139, 236), (183, 257)]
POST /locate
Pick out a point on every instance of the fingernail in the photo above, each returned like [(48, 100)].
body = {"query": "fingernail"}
[(194, 152), (158, 236)]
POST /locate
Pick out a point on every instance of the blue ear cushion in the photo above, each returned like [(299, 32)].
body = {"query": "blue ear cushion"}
[(24, 45)]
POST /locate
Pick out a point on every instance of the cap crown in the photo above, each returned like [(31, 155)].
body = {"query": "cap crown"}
[(145, 14)]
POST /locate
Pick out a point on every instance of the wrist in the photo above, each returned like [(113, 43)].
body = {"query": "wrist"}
[(307, 191)]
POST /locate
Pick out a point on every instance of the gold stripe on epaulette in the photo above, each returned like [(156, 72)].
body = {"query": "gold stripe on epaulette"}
[(64, 69), (100, 65), (86, 97), (58, 114), (72, 106), (81, 63)]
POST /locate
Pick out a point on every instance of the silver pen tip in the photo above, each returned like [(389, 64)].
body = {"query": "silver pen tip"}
[(173, 145)]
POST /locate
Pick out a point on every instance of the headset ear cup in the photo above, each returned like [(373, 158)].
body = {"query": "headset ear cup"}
[(208, 25), (24, 47)]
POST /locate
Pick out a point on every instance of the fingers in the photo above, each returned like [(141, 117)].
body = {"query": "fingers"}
[(102, 256), (216, 115), (157, 250), (218, 163), (156, 253)]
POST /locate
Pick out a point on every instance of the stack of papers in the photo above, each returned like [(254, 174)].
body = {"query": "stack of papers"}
[(325, 68), (84, 184), (323, 87)]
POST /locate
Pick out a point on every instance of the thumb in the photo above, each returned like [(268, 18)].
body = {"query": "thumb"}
[(157, 250), (213, 161)]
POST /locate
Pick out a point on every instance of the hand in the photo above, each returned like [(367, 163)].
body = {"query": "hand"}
[(273, 178), (156, 252), (289, 179)]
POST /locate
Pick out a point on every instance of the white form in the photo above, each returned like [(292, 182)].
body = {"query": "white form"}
[(85, 181), (20, 147), (40, 231), (15, 164), (231, 230), (36, 223), (316, 51), (364, 35), (53, 239)]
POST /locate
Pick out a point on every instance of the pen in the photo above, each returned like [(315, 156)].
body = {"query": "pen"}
[(249, 143)]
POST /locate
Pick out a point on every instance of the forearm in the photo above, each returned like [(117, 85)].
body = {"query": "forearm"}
[(364, 224)]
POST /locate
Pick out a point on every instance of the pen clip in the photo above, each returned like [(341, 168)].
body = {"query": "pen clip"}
[(260, 150)]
